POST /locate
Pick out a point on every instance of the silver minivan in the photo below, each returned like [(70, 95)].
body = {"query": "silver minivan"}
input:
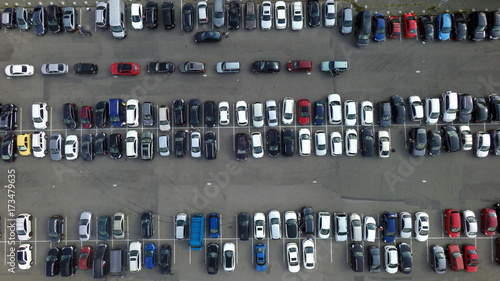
[(219, 13)]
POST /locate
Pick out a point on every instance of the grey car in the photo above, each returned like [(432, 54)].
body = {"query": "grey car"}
[(54, 68), (164, 145), (56, 148), (147, 146), (23, 17), (346, 21), (69, 19), (148, 115), (438, 262), (101, 15)]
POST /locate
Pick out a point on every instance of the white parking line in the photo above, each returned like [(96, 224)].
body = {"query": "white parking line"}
[(34, 254)]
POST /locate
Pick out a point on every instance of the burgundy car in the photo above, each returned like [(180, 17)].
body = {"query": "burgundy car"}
[(299, 65), (394, 27), (489, 222), (86, 117)]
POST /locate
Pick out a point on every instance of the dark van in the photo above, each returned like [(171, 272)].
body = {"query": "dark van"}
[(363, 28), (118, 261)]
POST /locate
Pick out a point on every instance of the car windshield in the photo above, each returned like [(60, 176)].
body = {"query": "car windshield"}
[(371, 226), (356, 223), (297, 18), (304, 137), (149, 254)]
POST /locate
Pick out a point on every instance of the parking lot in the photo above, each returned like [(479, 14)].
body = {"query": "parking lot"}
[(168, 185)]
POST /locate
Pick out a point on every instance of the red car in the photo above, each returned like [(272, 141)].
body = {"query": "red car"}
[(86, 117), (452, 223), (304, 111), (410, 25), (471, 258), (394, 27), (489, 222), (125, 68), (300, 65), (85, 260), (455, 258)]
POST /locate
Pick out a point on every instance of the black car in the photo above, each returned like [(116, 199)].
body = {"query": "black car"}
[(56, 229), (9, 18), (101, 114), (88, 152), (70, 116), (367, 142), (152, 15), (288, 142), (147, 225), (85, 68), (426, 28), (477, 26), (243, 225), (405, 258), (266, 66), (54, 18), (495, 142), (459, 27), (52, 266), (179, 112), (273, 143), (451, 141), (188, 17), (207, 36), (39, 20), (103, 228), (384, 113), (291, 227), (493, 28), (8, 147), (101, 144), (494, 105), (161, 67), (210, 145), (8, 117), (194, 112), (313, 17), (465, 106), (480, 110), (398, 109), (374, 260), (100, 260), (165, 260), (308, 221), (148, 114), (417, 142), (167, 9), (115, 146), (69, 262), (357, 257), (212, 258), (210, 114), (180, 144), (433, 142), (234, 15), (241, 147), (362, 28)]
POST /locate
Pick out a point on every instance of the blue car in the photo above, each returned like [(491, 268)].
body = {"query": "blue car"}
[(443, 27), (319, 117), (214, 220), (150, 255), (378, 27), (388, 222), (260, 257)]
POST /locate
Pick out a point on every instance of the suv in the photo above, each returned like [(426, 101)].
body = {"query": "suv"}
[(40, 115), (308, 220), (363, 28), (167, 9), (56, 229), (54, 18), (85, 68), (147, 145)]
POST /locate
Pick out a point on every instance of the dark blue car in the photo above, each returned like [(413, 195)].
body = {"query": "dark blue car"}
[(214, 219), (260, 257), (319, 108), (378, 27), (150, 255), (388, 222)]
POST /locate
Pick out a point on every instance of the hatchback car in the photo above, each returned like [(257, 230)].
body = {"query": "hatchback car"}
[(167, 9), (398, 109), (426, 28), (304, 111), (85, 226), (8, 148), (459, 28), (207, 36), (56, 147), (308, 254), (378, 26), (493, 28), (179, 109), (416, 108), (288, 142), (469, 223), (346, 21), (438, 262), (434, 142), (132, 144), (274, 224), (480, 110), (194, 112), (266, 66), (410, 25), (250, 15), (23, 227), (71, 147), (257, 145), (102, 14), (39, 144), (477, 26), (391, 259), (471, 258), (214, 225), (260, 257), (288, 108), (443, 27), (388, 223), (39, 20), (449, 106), (181, 226), (452, 223), (417, 142), (394, 27), (357, 257), (202, 12), (299, 65), (421, 226), (489, 221), (224, 113)]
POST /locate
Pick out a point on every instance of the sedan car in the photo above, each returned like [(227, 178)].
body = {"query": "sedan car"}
[(228, 257), (417, 142), (85, 258), (88, 151), (416, 108), (71, 147), (210, 114), (241, 147), (297, 16), (266, 15), (17, 70), (214, 225), (161, 67), (391, 259), (455, 258), (224, 113), (39, 20), (304, 109), (195, 141), (290, 224), (304, 142), (266, 66), (471, 258), (410, 25), (165, 260), (398, 109), (432, 110), (434, 142), (288, 109), (180, 144), (299, 65), (104, 228), (150, 255), (313, 13), (101, 114), (308, 254), (52, 262), (39, 144), (56, 147), (320, 143), (85, 226), (54, 68), (388, 223), (147, 225), (374, 260), (69, 262), (450, 138), (370, 229), (257, 145), (274, 225), (125, 68), (8, 148), (495, 142), (489, 221), (351, 142), (346, 21), (281, 14), (350, 114), (308, 221), (288, 142), (207, 36), (179, 109), (405, 225), (135, 259), (334, 109), (438, 262), (194, 112), (260, 257), (292, 254), (357, 257), (273, 143), (136, 15), (480, 110), (319, 112), (482, 143), (243, 225), (452, 223), (405, 258), (477, 26), (335, 144), (367, 142), (147, 145), (271, 114), (259, 222), (384, 144), (469, 223), (421, 226)]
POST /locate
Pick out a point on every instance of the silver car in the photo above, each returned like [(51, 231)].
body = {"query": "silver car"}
[(56, 148), (164, 145), (69, 19), (54, 68), (101, 15), (85, 226), (346, 21)]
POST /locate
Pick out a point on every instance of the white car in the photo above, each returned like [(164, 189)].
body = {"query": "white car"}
[(449, 106), (266, 16), (469, 223), (195, 144), (274, 225), (223, 113), (465, 138), (308, 253), (320, 143), (405, 225), (356, 227), (416, 108), (336, 144), (391, 259), (132, 144), (136, 16), (384, 144), (257, 114), (181, 225), (259, 223), (23, 227), (164, 118), (291, 224), (351, 142), (297, 16), (71, 147), (85, 226), (242, 113), (229, 257), (281, 14), (16, 70), (257, 145), (24, 257), (39, 144), (54, 68), (330, 13), (287, 115), (421, 226), (119, 225), (482, 143), (135, 260), (132, 113), (304, 142), (202, 12), (366, 112), (324, 225), (292, 254), (340, 226), (370, 229), (40, 115), (334, 109), (272, 113), (164, 145), (432, 110), (350, 114)]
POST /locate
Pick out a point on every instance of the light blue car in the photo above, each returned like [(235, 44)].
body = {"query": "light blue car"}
[(443, 27)]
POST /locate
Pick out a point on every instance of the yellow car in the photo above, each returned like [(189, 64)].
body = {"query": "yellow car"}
[(24, 144)]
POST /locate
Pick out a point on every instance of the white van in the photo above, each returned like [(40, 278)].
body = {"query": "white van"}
[(117, 18)]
